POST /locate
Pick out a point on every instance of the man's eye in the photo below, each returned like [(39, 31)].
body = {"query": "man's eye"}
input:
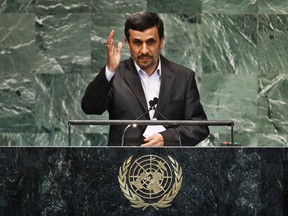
[(150, 42), (137, 43)]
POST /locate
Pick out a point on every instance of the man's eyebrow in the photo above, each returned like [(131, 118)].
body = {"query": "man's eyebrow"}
[(149, 39)]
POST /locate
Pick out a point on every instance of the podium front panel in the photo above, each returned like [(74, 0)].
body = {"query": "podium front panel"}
[(143, 181)]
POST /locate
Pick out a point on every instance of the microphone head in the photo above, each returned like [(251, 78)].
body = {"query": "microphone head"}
[(155, 100), (151, 103)]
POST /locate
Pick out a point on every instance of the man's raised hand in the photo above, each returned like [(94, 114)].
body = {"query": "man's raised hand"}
[(113, 53)]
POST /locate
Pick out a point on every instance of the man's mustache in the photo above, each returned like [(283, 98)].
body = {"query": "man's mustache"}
[(145, 56)]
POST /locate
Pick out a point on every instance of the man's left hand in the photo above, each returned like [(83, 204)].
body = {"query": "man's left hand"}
[(156, 140)]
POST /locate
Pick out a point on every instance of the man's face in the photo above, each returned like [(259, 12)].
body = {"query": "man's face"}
[(145, 47)]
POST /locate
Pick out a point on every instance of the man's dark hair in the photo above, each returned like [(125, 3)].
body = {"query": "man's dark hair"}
[(142, 21)]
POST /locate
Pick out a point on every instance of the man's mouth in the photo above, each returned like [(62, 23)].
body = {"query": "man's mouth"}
[(145, 57)]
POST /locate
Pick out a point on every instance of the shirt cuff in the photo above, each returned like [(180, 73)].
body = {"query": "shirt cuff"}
[(109, 74)]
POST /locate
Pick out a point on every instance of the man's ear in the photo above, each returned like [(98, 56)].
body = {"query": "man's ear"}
[(127, 43), (162, 42)]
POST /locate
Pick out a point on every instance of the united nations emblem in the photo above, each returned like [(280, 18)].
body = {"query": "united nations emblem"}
[(150, 181)]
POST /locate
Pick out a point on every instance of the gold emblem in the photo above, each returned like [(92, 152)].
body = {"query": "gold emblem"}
[(150, 181)]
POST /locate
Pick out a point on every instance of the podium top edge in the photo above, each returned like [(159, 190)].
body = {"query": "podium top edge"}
[(152, 122)]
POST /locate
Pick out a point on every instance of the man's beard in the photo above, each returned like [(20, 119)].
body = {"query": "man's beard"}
[(147, 64)]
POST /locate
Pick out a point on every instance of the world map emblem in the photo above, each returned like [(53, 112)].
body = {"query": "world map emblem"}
[(150, 180)]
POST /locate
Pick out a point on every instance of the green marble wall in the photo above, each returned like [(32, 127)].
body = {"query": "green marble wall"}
[(50, 50)]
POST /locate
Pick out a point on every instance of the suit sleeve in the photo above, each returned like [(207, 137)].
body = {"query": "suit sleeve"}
[(97, 95), (193, 110)]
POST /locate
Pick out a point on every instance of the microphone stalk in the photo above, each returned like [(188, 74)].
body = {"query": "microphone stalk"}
[(152, 104)]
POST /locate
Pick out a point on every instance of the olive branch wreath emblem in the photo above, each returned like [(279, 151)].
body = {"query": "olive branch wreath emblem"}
[(137, 201)]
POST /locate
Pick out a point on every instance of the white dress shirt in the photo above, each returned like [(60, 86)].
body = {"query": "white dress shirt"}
[(151, 84)]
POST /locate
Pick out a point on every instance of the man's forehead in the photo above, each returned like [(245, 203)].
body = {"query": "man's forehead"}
[(147, 33)]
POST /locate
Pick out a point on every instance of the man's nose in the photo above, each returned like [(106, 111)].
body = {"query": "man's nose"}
[(144, 48)]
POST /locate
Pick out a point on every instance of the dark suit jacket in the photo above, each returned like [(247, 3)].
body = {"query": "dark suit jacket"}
[(124, 98)]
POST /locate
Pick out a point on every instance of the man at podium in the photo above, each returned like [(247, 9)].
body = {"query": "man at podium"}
[(145, 86)]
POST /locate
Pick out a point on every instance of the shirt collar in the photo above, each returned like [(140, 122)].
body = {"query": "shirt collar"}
[(158, 69)]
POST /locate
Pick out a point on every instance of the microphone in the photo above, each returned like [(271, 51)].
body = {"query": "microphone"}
[(152, 104), (155, 101)]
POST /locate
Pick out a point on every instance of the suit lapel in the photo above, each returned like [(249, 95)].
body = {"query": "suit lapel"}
[(167, 79), (133, 80)]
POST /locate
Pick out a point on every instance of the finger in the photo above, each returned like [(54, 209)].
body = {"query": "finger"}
[(151, 143), (110, 48), (110, 41), (156, 144), (147, 139), (146, 144), (110, 37), (110, 45), (119, 47)]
